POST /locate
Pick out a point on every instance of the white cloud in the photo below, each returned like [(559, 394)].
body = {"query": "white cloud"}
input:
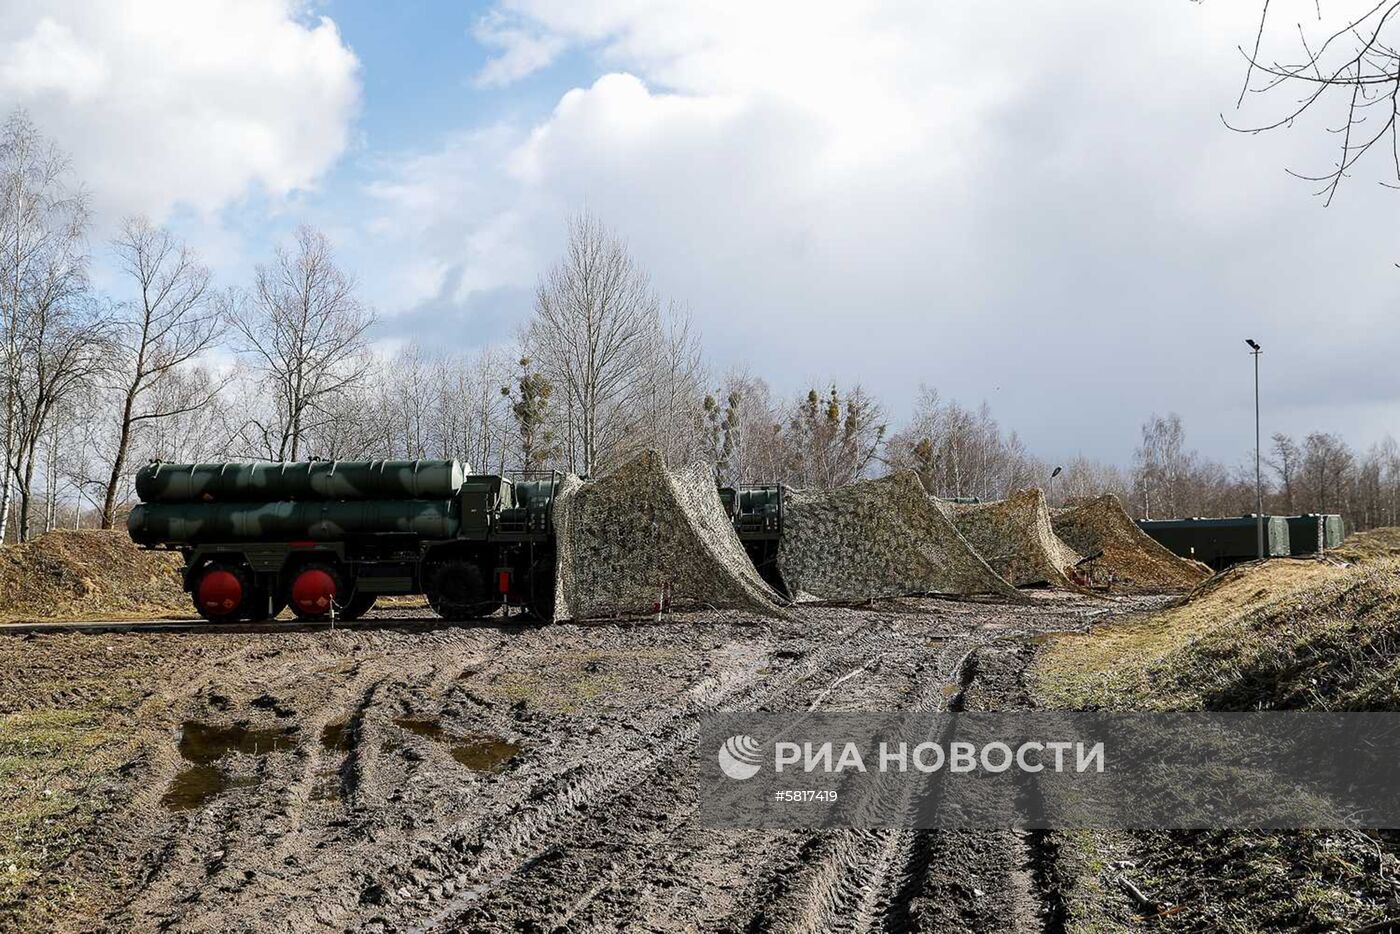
[(521, 51), (164, 103), (1008, 200)]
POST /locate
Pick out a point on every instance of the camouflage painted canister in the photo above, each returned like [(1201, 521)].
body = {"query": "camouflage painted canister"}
[(198, 523), (299, 480)]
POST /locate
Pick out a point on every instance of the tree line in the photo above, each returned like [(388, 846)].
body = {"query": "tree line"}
[(169, 365)]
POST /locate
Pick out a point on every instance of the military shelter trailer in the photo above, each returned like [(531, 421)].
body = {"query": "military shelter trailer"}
[(1220, 542), (1314, 532)]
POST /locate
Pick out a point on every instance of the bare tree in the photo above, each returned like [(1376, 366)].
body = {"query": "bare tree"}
[(42, 222), (474, 419), (1085, 477), (1285, 460), (835, 437), (1327, 463), (169, 321), (747, 438), (674, 405), (61, 353), (594, 313), (1162, 462), (1341, 62), (960, 452), (408, 403), (304, 329)]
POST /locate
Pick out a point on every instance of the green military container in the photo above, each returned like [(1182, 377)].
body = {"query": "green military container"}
[(1220, 542), (198, 523), (305, 480), (1314, 532)]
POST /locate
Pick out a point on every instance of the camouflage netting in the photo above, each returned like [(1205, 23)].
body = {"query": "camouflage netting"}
[(641, 531), (1134, 558), (1017, 539), (877, 538)]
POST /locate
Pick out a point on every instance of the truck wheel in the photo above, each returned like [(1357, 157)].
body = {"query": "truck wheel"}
[(315, 589), (358, 606), (457, 591), (541, 602), (222, 592)]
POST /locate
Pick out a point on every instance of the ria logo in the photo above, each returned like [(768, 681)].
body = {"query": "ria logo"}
[(739, 757)]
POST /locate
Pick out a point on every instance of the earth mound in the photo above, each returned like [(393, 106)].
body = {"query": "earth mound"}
[(89, 574)]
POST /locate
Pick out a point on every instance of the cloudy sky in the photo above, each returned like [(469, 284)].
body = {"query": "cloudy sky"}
[(1031, 203)]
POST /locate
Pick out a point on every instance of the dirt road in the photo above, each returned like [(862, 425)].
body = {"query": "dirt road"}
[(407, 775)]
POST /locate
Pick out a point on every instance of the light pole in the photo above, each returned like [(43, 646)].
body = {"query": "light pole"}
[(1254, 351), (1051, 484)]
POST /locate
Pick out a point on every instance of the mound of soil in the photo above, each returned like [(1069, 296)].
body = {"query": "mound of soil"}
[(87, 575), (1331, 646), (1016, 538), (1099, 525), (1272, 635)]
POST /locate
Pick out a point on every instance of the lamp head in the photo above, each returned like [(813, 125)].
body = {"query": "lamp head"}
[(1252, 345)]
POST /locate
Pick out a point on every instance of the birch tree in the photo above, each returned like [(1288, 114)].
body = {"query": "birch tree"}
[(674, 403)]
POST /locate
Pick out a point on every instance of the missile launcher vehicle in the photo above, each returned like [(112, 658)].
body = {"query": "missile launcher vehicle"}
[(327, 538)]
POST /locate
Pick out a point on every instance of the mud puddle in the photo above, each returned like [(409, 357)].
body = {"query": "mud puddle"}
[(206, 743), (197, 785), (480, 752), (335, 737), (203, 745)]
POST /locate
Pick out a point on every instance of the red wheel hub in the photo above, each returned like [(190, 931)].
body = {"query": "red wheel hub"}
[(220, 592), (313, 591)]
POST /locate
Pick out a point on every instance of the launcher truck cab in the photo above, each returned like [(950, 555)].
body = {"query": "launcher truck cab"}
[(757, 514), (327, 538)]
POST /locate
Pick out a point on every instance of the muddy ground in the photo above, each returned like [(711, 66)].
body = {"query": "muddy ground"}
[(408, 775)]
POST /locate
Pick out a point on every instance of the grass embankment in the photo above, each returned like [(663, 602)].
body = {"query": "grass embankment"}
[(1282, 635), (68, 575)]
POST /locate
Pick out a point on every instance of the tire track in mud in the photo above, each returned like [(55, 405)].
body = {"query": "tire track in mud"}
[(651, 781), (941, 868), (833, 881), (846, 880), (875, 880), (594, 826), (643, 888)]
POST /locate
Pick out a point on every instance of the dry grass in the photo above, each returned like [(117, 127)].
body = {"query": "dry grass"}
[(1120, 665), (1368, 546), (88, 575), (1281, 633), (1278, 635)]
